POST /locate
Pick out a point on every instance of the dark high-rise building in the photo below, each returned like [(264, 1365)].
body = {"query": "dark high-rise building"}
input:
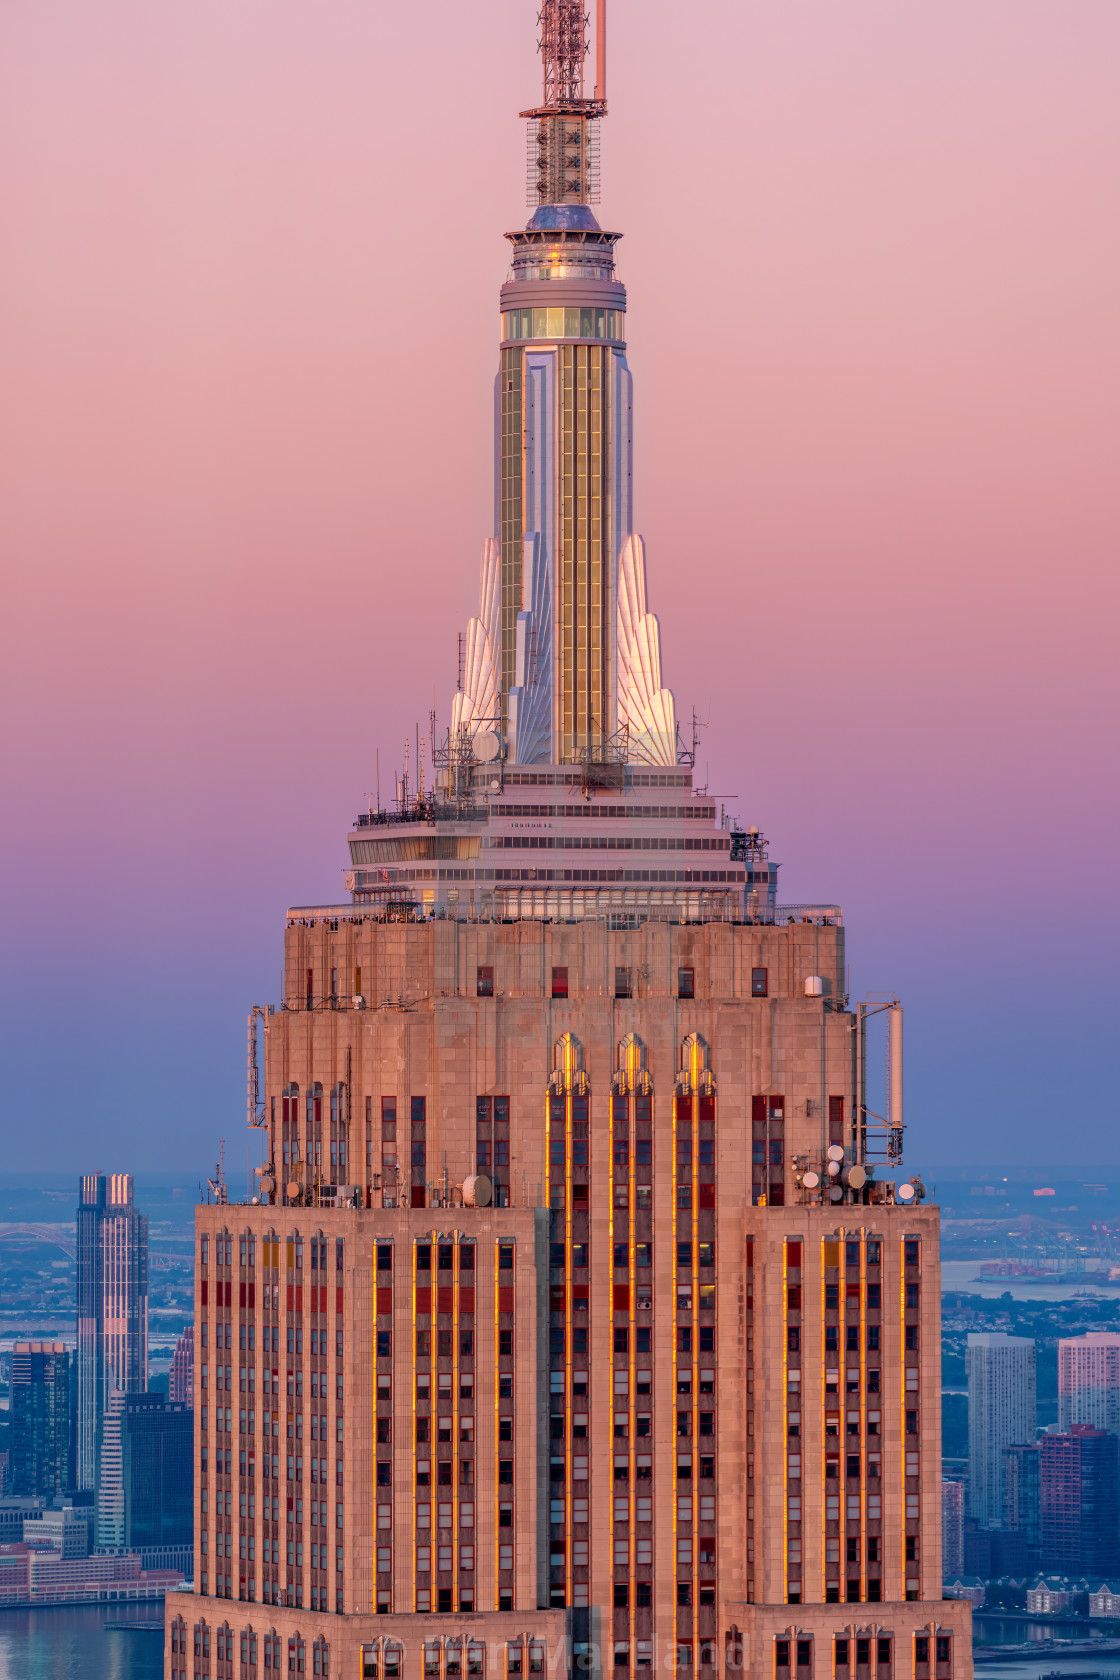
[(112, 1309), (157, 1443), (40, 1418), (1022, 1494), (1080, 1492)]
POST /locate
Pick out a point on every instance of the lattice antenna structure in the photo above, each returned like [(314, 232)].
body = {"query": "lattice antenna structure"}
[(563, 161)]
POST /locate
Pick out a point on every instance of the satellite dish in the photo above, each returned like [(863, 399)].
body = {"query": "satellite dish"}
[(905, 1193), (811, 1180), (293, 1190), (857, 1177), (836, 1194), (477, 1191), (835, 1152), (834, 1169), (495, 787), (268, 1184), (486, 746)]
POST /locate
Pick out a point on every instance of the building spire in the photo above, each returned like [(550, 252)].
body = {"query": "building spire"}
[(563, 161)]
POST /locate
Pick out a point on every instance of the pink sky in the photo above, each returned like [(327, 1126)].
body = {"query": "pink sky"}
[(247, 338)]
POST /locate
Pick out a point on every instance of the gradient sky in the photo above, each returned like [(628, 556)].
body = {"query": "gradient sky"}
[(248, 318)]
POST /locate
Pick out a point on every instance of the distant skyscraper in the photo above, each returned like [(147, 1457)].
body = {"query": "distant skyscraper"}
[(40, 1418), (112, 1308), (1021, 1495), (157, 1442), (110, 1479), (180, 1386), (952, 1529), (1080, 1485), (1001, 1413), (1089, 1381)]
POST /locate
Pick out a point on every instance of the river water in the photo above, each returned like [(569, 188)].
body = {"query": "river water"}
[(75, 1644)]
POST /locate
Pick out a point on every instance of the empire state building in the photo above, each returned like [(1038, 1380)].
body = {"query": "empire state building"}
[(582, 1318)]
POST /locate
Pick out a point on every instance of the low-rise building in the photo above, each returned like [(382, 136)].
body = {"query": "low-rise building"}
[(31, 1575), (1105, 1601), (66, 1530), (1047, 1598), (966, 1586)]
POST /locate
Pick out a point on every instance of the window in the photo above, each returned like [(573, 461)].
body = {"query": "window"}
[(623, 983), (686, 982), (758, 982), (559, 982), (485, 982)]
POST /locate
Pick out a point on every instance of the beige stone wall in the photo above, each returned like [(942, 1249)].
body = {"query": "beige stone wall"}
[(694, 1375)]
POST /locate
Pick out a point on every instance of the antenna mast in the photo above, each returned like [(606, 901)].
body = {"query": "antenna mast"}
[(563, 138)]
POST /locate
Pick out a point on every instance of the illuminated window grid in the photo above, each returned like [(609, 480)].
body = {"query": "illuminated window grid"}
[(635, 1081), (785, 1418), (414, 1363), (821, 1254), (512, 513), (456, 1444), (902, 1407), (698, 1079), (617, 1091), (862, 1410), (677, 1094), (585, 559), (567, 1076), (496, 1256), (750, 1421)]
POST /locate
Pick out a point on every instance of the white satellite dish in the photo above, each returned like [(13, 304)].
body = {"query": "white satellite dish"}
[(857, 1177), (835, 1152), (486, 746), (905, 1193), (834, 1169), (811, 1180), (477, 1191)]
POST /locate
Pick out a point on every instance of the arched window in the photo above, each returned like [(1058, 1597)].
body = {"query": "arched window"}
[(289, 1125), (632, 1133), (313, 1147), (340, 1118)]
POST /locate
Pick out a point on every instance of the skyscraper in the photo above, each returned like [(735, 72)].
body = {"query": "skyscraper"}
[(112, 1308), (582, 1318), (110, 1475), (952, 1529), (157, 1443), (40, 1418), (1022, 1494), (1080, 1488), (1089, 1381), (1001, 1413), (180, 1385)]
